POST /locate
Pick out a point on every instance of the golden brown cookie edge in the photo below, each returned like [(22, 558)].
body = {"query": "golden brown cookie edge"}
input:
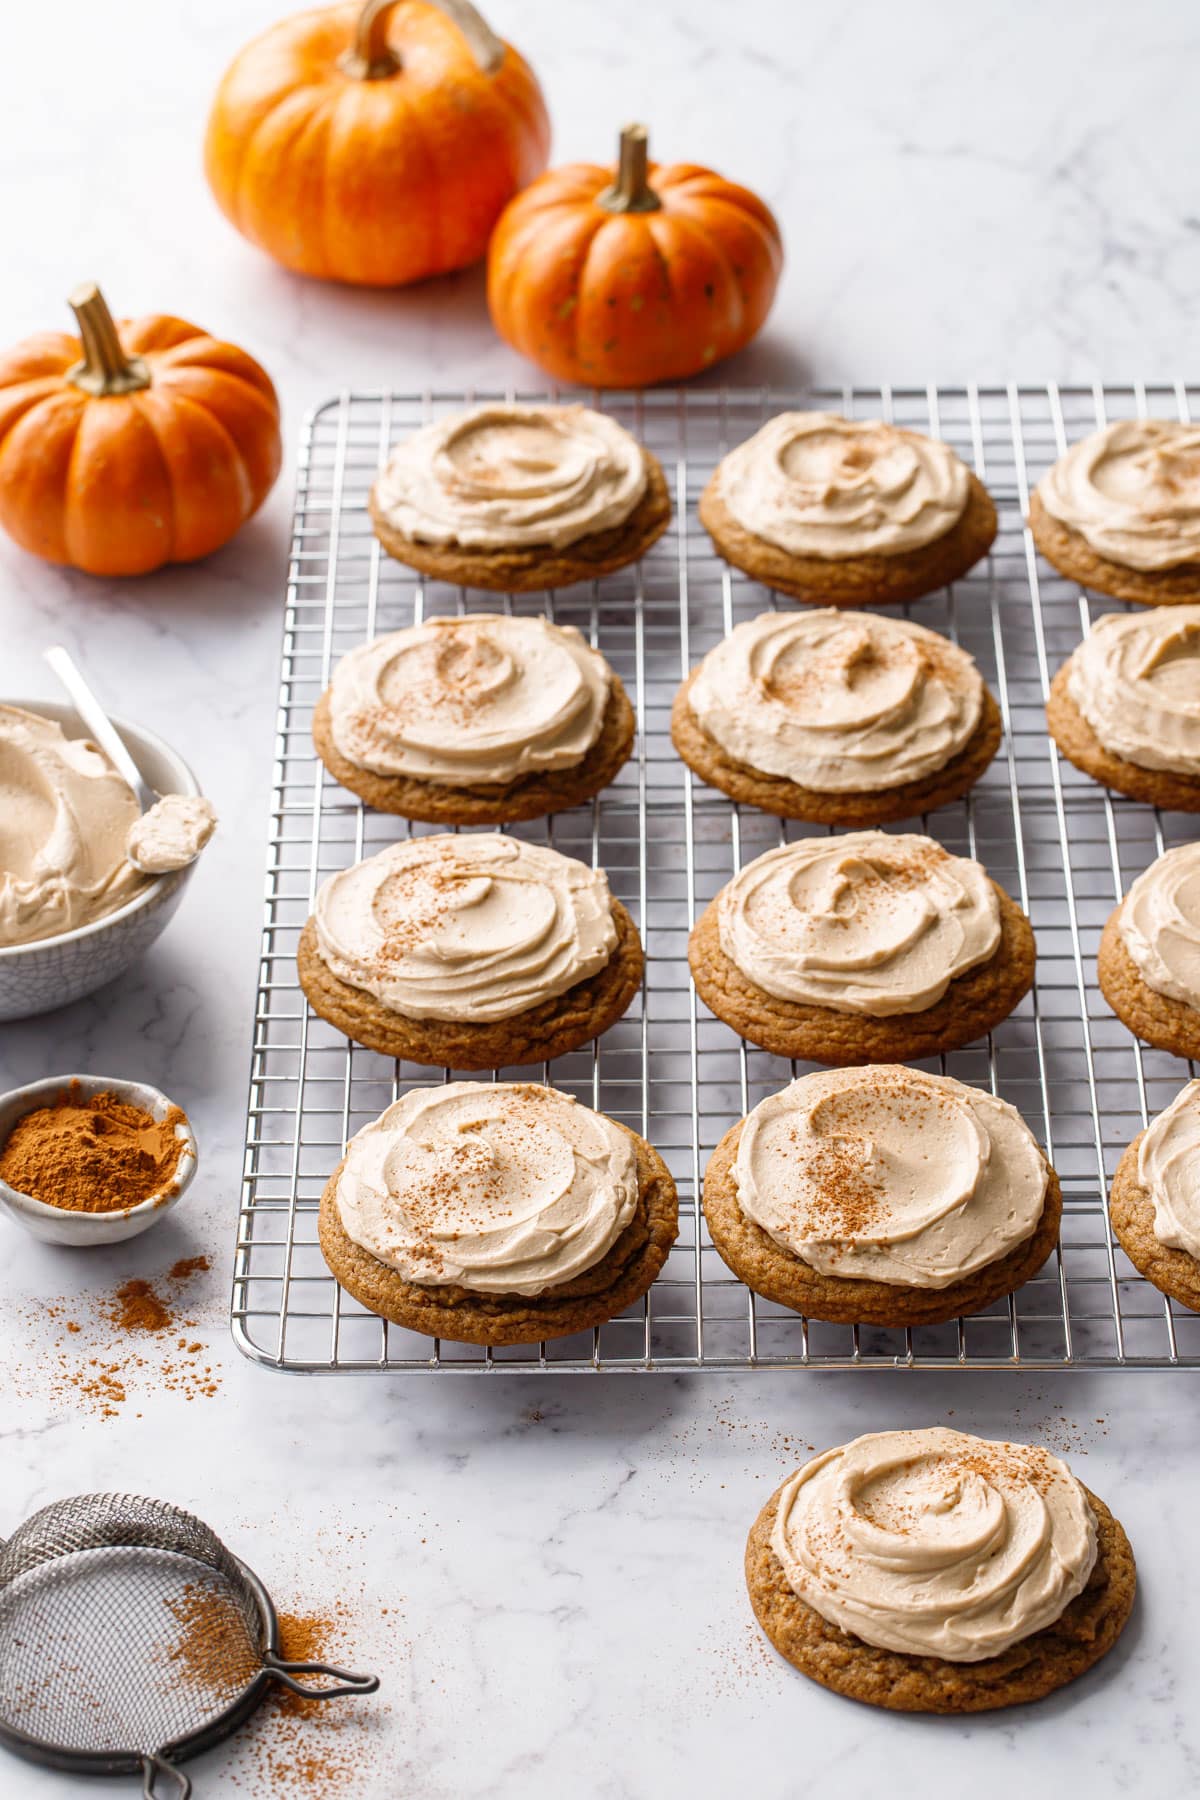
[(1131, 1211), (1157, 1019), (1071, 554), (1080, 745)]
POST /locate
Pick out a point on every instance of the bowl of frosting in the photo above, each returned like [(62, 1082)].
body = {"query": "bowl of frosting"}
[(87, 880)]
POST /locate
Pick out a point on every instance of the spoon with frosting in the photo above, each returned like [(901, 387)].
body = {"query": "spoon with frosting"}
[(172, 829)]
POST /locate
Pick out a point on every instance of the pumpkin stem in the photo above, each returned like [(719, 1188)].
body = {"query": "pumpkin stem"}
[(105, 369), (631, 191), (372, 58)]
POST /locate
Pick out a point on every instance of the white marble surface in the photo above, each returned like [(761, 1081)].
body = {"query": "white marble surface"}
[(984, 190)]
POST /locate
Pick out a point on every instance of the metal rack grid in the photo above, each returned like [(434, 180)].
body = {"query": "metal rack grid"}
[(1060, 844)]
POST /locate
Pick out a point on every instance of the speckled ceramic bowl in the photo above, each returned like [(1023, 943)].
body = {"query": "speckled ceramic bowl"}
[(56, 1225), (35, 978)]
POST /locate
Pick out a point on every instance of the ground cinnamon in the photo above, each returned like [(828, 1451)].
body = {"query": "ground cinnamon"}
[(96, 1154)]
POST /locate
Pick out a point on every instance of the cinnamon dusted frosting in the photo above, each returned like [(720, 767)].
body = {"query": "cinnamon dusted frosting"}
[(868, 923), (475, 927), (884, 1173), (1136, 680), (1132, 491), (1159, 925), (503, 1189), (485, 698), (502, 477), (816, 484), (838, 702), (64, 817), (1168, 1166), (935, 1543)]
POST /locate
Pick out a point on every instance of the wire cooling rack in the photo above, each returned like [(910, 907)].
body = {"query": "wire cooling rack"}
[(1060, 844)]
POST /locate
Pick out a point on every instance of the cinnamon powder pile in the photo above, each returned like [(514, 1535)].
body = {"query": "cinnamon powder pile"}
[(93, 1155)]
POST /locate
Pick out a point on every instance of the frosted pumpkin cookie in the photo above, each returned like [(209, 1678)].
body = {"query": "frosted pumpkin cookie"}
[(931, 1571), (1125, 706), (847, 512), (497, 1214), (470, 952), (1120, 512), (1149, 962), (474, 721), (866, 948), (882, 1196), (839, 719), (518, 498), (1155, 1200)]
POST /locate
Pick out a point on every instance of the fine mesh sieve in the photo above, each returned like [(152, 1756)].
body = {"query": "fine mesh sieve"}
[(131, 1638)]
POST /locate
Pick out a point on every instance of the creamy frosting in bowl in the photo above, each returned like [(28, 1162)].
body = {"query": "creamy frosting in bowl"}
[(511, 477), (936, 1543), (885, 1173), (816, 484), (65, 815), (837, 702), (504, 1188), (482, 699), (1168, 1167), (869, 923), (1131, 491), (1136, 680), (1159, 924), (475, 927)]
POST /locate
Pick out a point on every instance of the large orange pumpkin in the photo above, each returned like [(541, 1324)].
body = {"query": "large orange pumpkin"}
[(145, 443), (621, 279), (375, 143)]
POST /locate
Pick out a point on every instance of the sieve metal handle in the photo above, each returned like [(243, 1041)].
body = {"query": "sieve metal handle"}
[(341, 1681), (152, 1768)]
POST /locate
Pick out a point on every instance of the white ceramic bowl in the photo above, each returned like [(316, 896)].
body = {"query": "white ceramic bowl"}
[(34, 978), (55, 1224)]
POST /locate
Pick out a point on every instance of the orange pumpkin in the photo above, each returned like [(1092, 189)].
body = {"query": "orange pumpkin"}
[(146, 443), (375, 143), (621, 282)]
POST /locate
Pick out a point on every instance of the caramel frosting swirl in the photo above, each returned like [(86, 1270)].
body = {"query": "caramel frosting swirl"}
[(507, 477), (1132, 491), (482, 699), (819, 485), (1168, 1166), (1159, 925), (473, 927), (838, 702), (502, 1188), (884, 1173), (868, 923), (1136, 680), (65, 814), (935, 1543)]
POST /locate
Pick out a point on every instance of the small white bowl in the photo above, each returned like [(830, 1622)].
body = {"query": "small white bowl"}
[(59, 1225), (51, 972)]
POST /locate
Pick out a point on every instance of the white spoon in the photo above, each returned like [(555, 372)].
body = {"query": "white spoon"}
[(196, 820)]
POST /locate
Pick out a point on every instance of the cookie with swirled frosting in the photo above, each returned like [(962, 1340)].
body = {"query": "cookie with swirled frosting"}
[(1120, 512), (1155, 1200), (473, 951), (872, 947), (497, 1213), (841, 719), (933, 1571), (479, 720), (882, 1196), (1149, 960), (518, 499), (1125, 706), (847, 512)]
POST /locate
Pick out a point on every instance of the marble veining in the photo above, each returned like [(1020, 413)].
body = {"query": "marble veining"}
[(547, 1573)]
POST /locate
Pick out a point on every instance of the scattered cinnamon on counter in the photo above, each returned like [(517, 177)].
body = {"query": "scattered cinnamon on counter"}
[(95, 1155)]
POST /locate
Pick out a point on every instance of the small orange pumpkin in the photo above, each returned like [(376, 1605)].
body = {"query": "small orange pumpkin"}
[(146, 443), (620, 282), (376, 143)]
